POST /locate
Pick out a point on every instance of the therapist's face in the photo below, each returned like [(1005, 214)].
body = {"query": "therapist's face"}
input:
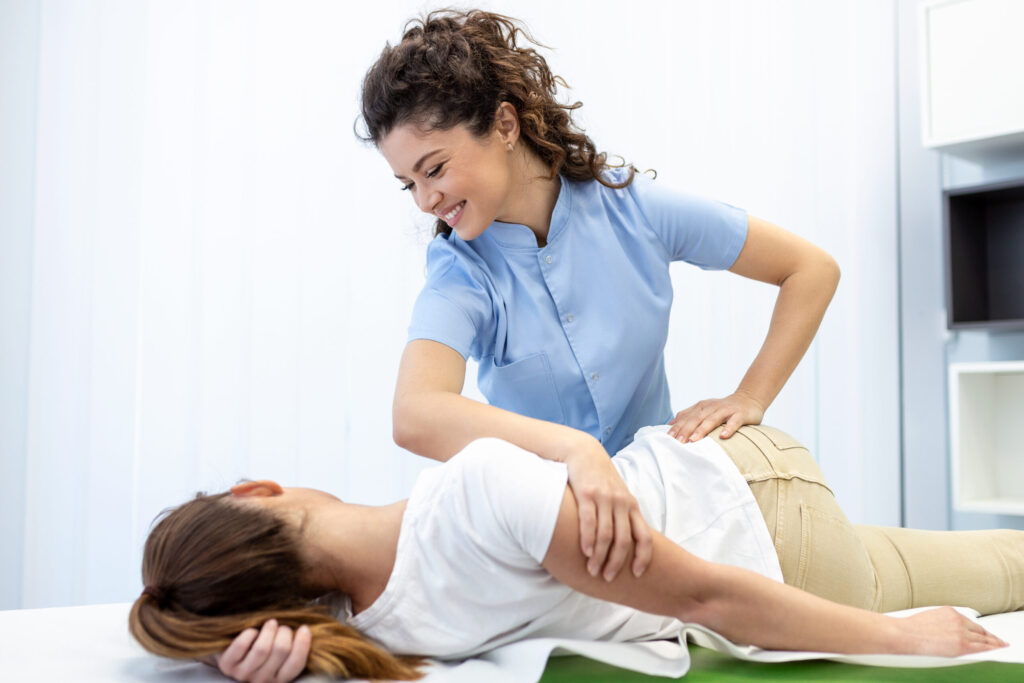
[(452, 174)]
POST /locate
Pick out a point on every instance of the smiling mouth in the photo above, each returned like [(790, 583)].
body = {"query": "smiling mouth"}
[(454, 212)]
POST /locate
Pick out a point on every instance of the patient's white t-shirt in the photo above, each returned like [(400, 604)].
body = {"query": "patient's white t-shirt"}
[(468, 575)]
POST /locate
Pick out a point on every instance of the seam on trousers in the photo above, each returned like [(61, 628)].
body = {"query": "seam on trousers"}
[(780, 521), (773, 473), (766, 460), (790, 477), (906, 570), (759, 429), (876, 600), (1008, 605), (800, 580)]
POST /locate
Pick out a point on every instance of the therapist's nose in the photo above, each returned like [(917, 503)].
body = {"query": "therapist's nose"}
[(428, 200)]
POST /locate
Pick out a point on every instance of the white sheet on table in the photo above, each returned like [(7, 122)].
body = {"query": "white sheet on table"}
[(92, 644)]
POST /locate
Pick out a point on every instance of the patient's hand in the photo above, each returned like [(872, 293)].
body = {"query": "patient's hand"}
[(274, 654), (947, 633), (700, 419), (611, 525)]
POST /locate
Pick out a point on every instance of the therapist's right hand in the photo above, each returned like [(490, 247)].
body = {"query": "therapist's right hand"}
[(611, 525), (274, 654)]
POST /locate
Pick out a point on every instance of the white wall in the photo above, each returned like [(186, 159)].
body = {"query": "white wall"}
[(222, 275), (19, 43)]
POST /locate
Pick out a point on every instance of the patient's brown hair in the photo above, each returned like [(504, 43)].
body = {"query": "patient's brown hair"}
[(213, 569)]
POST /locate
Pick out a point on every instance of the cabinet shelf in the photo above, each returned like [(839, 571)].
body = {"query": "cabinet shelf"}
[(984, 228), (986, 445), (972, 105)]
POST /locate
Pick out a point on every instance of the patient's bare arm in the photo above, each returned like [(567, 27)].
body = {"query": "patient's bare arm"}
[(748, 608)]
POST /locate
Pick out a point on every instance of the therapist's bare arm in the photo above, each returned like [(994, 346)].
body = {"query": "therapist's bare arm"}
[(749, 608), (807, 278), (432, 418)]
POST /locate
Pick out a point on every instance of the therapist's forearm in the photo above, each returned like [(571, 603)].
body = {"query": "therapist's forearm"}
[(803, 298), (438, 424)]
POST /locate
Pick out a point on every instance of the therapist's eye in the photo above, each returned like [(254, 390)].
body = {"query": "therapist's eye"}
[(407, 186), (434, 171)]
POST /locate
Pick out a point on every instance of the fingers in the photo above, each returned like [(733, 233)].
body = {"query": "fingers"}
[(279, 651), (697, 425), (694, 423), (275, 654), (731, 425), (296, 660), (981, 642), (232, 657), (611, 526), (709, 424), (683, 424), (703, 417), (588, 524), (946, 632), (605, 535), (644, 547), (622, 545), (254, 657), (982, 638)]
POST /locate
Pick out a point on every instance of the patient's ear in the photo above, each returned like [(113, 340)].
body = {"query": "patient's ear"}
[(264, 488)]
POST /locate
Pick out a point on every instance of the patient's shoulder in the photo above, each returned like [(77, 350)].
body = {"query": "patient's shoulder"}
[(516, 489)]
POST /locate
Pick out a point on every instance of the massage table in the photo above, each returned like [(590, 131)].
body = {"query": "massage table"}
[(92, 644)]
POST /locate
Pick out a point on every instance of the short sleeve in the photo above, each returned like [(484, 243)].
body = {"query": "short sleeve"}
[(519, 491), (704, 232), (454, 307)]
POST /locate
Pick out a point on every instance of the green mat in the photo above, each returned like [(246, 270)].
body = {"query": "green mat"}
[(714, 667)]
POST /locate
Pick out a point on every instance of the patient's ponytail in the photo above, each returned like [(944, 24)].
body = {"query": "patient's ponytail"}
[(213, 569)]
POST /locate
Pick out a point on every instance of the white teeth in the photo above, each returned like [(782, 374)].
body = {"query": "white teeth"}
[(451, 214)]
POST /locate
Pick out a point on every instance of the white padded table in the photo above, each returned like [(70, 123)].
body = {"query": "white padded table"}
[(92, 644)]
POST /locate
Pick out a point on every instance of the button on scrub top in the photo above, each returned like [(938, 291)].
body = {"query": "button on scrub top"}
[(574, 332)]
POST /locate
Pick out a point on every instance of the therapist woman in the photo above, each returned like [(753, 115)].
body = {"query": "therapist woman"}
[(551, 269)]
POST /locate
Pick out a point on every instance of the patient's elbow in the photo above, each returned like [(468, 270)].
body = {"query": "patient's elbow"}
[(700, 602), (694, 611)]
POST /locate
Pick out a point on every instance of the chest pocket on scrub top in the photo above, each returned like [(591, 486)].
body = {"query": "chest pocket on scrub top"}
[(525, 386)]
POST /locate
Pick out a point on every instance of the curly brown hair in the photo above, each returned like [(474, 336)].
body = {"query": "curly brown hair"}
[(454, 67)]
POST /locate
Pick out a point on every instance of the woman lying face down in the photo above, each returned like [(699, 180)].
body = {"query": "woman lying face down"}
[(484, 552)]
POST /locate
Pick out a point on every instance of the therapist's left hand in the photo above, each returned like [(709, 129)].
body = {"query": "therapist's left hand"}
[(733, 411)]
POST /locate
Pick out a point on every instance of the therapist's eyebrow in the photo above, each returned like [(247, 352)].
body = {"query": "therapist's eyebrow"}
[(416, 166)]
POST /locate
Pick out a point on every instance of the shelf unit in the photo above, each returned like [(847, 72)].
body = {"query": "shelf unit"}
[(972, 104), (984, 231), (987, 443)]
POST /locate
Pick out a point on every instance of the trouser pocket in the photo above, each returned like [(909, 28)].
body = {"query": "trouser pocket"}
[(832, 561)]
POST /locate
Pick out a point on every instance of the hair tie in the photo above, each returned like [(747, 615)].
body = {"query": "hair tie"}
[(155, 593)]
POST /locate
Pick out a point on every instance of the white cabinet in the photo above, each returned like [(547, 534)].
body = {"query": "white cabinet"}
[(986, 418), (972, 75)]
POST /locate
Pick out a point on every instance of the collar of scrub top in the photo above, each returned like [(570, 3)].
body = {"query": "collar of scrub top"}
[(517, 236)]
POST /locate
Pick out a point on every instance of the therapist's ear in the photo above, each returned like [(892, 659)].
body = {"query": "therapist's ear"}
[(264, 488), (506, 124)]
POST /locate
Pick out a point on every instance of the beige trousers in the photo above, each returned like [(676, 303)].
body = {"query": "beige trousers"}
[(877, 568)]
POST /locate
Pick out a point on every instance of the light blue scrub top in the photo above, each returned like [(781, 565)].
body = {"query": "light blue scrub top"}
[(575, 332)]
